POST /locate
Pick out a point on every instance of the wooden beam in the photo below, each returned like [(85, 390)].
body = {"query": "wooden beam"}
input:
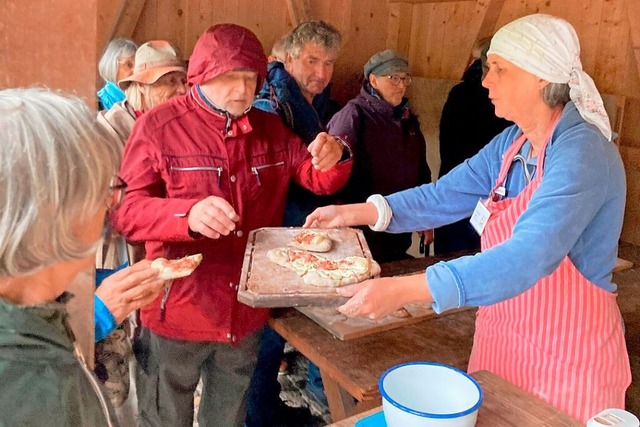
[(633, 13), (299, 12), (491, 15), (126, 19), (293, 12), (426, 1), (489, 21)]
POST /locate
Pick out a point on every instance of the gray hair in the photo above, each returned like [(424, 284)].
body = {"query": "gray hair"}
[(56, 165), (116, 49), (556, 94), (133, 94), (319, 32)]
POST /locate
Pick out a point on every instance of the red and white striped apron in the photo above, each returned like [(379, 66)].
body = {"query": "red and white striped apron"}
[(562, 340)]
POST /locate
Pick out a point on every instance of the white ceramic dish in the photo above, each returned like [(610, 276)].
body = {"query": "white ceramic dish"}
[(426, 394), (614, 417)]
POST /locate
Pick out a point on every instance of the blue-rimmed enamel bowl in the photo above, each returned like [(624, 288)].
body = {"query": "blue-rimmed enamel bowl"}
[(426, 394)]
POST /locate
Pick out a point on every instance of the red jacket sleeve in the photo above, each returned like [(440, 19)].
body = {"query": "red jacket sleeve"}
[(321, 183)]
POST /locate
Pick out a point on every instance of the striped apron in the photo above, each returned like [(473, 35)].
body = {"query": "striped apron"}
[(562, 340)]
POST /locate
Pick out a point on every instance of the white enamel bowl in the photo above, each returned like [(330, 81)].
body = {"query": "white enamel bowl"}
[(425, 394)]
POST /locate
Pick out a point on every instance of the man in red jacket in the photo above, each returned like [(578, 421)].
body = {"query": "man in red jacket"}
[(202, 171)]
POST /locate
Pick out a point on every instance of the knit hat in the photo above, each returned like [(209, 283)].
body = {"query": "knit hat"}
[(153, 60), (386, 62)]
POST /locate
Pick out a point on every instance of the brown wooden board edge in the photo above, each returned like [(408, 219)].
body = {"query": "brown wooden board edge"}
[(247, 297), (361, 332), (379, 328)]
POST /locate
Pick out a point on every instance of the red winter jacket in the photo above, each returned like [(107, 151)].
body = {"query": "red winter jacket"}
[(180, 153)]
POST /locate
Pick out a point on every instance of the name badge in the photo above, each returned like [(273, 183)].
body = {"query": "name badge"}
[(480, 217)]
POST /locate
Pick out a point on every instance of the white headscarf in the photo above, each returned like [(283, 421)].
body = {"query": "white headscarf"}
[(548, 47)]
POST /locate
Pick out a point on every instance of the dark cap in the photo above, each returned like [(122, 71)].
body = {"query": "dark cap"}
[(386, 62)]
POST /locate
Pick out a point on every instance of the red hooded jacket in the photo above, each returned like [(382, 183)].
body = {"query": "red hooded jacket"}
[(180, 153)]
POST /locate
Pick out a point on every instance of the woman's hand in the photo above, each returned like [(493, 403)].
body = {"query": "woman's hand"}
[(130, 289), (342, 216), (377, 298)]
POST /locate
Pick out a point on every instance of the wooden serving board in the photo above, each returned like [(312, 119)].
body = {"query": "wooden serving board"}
[(266, 284), (346, 328)]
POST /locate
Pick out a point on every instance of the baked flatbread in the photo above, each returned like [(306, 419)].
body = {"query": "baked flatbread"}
[(176, 268), (314, 241), (317, 270)]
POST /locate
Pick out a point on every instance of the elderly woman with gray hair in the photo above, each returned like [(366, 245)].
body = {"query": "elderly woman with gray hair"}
[(57, 174), (159, 75), (115, 64), (547, 197)]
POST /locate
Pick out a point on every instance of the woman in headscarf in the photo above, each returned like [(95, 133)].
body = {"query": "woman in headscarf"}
[(547, 197)]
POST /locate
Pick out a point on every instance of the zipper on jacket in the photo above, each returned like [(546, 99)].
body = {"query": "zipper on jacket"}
[(198, 168), (256, 169), (94, 383), (163, 302)]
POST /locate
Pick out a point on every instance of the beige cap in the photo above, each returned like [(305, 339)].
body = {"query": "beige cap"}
[(153, 60)]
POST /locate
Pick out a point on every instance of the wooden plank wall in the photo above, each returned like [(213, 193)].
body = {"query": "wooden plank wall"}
[(49, 46), (436, 36)]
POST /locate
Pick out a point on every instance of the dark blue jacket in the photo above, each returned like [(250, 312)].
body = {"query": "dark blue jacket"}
[(281, 95)]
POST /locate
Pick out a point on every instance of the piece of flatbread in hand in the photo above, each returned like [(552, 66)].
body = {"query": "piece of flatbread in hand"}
[(176, 268), (317, 270), (314, 241)]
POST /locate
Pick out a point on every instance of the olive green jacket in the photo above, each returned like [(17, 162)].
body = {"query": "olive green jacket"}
[(42, 381)]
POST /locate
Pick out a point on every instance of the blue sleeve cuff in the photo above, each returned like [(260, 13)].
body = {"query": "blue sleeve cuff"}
[(445, 287), (104, 321)]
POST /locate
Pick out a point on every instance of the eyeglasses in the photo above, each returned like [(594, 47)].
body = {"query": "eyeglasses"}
[(395, 80), (116, 190)]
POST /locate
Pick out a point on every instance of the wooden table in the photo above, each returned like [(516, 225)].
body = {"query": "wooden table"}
[(504, 405), (350, 369)]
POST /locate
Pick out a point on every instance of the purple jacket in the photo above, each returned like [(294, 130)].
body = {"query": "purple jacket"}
[(389, 156)]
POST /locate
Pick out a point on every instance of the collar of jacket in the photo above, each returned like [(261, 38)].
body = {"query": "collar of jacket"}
[(30, 324), (374, 99), (201, 99), (279, 77)]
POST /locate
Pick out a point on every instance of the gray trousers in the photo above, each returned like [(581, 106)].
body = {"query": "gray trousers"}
[(168, 373)]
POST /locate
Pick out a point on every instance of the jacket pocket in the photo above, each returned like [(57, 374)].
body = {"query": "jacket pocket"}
[(194, 176), (263, 169), (268, 175)]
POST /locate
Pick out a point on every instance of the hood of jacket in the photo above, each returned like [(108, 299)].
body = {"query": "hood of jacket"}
[(223, 48)]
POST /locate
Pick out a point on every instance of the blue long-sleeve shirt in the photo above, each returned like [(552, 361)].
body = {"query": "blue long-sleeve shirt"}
[(103, 319), (576, 211)]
